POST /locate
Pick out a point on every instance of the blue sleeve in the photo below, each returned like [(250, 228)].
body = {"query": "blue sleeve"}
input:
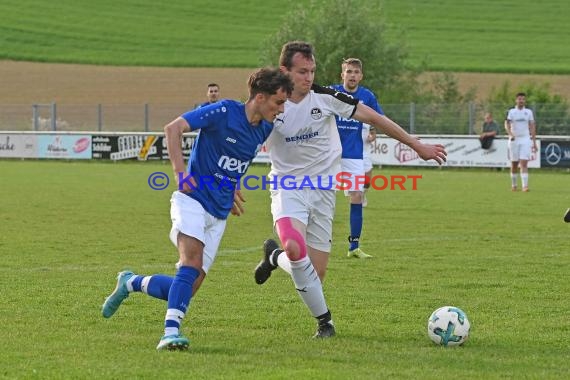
[(373, 103), (206, 117)]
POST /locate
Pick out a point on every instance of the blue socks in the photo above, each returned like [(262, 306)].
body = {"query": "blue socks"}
[(157, 285), (179, 297), (355, 225)]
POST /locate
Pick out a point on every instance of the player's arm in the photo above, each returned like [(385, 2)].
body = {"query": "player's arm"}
[(372, 134), (508, 126), (367, 115), (532, 128), (173, 132)]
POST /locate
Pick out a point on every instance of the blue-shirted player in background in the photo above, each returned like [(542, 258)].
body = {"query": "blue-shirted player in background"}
[(213, 94), (352, 161), (231, 134)]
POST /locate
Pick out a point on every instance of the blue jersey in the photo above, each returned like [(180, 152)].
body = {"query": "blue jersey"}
[(350, 130), (223, 150)]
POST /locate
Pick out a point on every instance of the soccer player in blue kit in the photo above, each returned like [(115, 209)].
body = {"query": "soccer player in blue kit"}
[(231, 134), (352, 159)]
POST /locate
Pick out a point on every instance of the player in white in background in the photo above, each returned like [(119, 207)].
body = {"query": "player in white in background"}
[(305, 143), (521, 128), (368, 137), (352, 162), (231, 133)]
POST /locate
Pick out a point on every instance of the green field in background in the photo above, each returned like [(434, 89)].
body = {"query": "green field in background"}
[(463, 238), (483, 35)]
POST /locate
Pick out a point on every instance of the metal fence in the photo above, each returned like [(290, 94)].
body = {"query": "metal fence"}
[(461, 119)]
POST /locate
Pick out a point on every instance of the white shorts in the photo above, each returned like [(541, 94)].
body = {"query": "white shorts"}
[(520, 148), (352, 168), (314, 208), (189, 217)]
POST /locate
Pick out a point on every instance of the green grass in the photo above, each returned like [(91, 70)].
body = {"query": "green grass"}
[(462, 239), (482, 35), (485, 35)]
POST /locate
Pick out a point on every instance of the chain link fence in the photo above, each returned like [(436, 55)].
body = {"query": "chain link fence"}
[(460, 119)]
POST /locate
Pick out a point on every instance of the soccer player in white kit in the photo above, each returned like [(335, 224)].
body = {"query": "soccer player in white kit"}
[(521, 128), (231, 134), (305, 144)]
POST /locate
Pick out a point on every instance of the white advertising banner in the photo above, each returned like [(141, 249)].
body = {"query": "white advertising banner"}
[(18, 145), (461, 152), (64, 146)]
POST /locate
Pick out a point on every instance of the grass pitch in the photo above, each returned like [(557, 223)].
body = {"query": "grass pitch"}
[(463, 238), (523, 36)]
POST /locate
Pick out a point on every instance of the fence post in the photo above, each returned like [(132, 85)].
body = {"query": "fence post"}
[(99, 117), (35, 117), (471, 117), (146, 117), (412, 117), (53, 117)]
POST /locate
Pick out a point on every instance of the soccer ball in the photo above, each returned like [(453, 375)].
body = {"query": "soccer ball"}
[(448, 326)]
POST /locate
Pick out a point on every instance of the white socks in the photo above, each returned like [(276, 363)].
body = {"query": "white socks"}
[(524, 178), (308, 285), (514, 179)]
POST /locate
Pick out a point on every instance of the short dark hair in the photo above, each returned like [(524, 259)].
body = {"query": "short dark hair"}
[(268, 80), (213, 85), (291, 48), (521, 94), (351, 61)]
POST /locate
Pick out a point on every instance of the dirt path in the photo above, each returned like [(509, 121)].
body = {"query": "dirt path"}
[(27, 83)]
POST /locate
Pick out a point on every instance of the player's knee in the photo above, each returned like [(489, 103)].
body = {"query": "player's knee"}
[(190, 259), (356, 197), (291, 239), (293, 249)]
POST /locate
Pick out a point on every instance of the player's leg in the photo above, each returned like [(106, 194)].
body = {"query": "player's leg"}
[(524, 156), (319, 242), (514, 157), (514, 175), (190, 225), (190, 250), (157, 285), (127, 282), (290, 211), (284, 204), (523, 165), (296, 259), (368, 174), (355, 168)]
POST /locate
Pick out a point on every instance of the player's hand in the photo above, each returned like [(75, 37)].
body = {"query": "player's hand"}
[(534, 148), (431, 152), (182, 182), (237, 208)]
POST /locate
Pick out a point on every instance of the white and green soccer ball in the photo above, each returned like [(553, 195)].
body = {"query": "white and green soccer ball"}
[(448, 326)]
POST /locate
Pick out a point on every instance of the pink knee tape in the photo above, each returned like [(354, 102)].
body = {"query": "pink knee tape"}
[(290, 237)]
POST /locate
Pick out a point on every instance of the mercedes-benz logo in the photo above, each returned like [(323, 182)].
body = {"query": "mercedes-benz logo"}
[(553, 154)]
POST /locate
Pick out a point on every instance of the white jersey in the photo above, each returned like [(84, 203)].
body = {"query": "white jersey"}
[(520, 121), (305, 141)]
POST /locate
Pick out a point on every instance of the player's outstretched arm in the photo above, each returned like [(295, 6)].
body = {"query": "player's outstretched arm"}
[(366, 114), (173, 133)]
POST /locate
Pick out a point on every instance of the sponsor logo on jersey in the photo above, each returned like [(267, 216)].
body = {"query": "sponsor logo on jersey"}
[(232, 140), (233, 164), (316, 113), (302, 137)]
